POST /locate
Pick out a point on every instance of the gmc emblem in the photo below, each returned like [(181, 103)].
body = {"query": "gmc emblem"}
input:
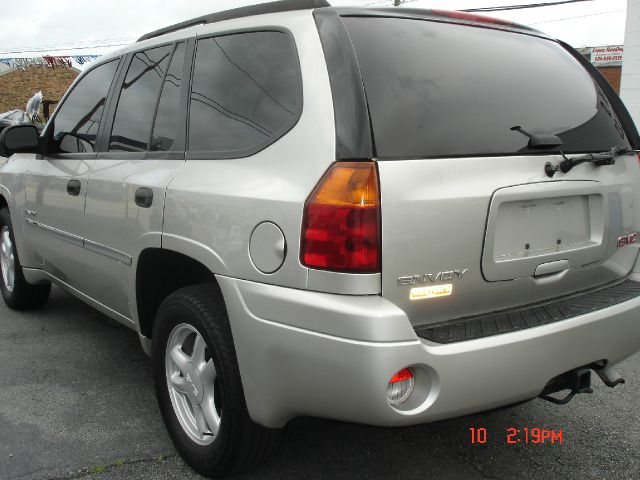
[(627, 239)]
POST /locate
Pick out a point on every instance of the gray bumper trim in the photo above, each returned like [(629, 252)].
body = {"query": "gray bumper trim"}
[(509, 321)]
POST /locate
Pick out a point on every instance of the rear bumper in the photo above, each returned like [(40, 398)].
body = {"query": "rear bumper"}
[(340, 368)]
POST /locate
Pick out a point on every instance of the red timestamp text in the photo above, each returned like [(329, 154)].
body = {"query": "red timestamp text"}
[(521, 435)]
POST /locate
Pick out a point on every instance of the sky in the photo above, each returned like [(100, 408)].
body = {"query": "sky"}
[(61, 27)]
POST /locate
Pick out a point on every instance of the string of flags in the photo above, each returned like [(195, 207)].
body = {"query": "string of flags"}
[(48, 61)]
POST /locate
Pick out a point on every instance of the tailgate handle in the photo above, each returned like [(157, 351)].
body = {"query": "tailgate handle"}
[(551, 267)]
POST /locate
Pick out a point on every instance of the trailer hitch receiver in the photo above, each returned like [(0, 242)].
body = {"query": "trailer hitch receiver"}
[(576, 381), (579, 381)]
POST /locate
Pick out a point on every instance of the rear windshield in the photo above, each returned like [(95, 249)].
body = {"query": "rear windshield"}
[(439, 89)]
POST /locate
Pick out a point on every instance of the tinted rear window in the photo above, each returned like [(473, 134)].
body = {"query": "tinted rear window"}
[(246, 92), (439, 89)]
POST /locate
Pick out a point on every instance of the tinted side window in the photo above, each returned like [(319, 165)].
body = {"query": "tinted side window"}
[(246, 92), (76, 124), (138, 100), (164, 130)]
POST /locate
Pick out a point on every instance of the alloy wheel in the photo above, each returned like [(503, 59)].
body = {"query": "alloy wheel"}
[(191, 379), (7, 259)]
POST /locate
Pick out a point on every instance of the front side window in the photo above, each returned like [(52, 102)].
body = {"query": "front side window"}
[(75, 126), (246, 92), (138, 100)]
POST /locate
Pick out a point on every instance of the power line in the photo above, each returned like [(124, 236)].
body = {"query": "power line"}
[(377, 3), (520, 7), (80, 43), (41, 50), (71, 45), (390, 2), (579, 16), (490, 9)]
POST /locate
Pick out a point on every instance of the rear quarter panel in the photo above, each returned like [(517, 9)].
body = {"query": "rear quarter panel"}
[(212, 206)]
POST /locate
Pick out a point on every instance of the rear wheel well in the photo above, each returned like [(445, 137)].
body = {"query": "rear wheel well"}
[(161, 272), (3, 202)]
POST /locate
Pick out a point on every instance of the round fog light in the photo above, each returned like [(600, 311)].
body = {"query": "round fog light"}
[(400, 387)]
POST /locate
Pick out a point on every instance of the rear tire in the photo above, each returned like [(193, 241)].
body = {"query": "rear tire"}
[(16, 292), (199, 389)]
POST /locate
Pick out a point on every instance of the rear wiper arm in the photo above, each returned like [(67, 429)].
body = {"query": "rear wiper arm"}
[(601, 158)]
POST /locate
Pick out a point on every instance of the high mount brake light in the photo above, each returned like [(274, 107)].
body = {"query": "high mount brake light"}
[(471, 17), (341, 222)]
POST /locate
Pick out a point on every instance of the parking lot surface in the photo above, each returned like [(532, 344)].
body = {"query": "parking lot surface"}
[(77, 401)]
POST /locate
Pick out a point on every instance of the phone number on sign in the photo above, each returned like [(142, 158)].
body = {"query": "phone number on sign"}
[(523, 435)]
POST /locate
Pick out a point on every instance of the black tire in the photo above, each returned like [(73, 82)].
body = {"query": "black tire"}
[(23, 295), (240, 443)]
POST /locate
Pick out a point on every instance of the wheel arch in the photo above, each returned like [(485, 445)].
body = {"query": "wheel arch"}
[(5, 197), (160, 272)]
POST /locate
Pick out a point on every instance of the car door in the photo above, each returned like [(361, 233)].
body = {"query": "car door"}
[(56, 182), (142, 152)]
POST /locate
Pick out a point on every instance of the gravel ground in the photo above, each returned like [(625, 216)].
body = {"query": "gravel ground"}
[(76, 401)]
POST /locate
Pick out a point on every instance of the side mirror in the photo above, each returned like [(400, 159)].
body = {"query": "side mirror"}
[(19, 139)]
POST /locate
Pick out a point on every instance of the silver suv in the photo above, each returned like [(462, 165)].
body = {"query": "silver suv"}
[(386, 216)]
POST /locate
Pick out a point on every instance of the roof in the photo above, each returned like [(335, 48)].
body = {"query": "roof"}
[(260, 9), (291, 5)]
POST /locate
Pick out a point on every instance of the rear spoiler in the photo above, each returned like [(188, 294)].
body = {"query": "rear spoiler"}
[(619, 108)]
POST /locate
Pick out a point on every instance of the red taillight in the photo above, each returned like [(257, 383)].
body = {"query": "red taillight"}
[(341, 223), (404, 374), (471, 17)]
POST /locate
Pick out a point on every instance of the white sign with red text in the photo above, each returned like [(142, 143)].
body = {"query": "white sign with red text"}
[(611, 55)]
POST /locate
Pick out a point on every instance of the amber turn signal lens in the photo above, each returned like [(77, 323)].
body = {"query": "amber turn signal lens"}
[(341, 223)]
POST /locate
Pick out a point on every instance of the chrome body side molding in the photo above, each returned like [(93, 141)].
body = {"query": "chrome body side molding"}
[(95, 247), (108, 252)]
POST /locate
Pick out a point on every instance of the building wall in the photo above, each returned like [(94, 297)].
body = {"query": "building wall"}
[(613, 76), (630, 85)]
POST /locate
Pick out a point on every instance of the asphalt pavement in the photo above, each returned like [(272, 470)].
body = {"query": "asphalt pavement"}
[(77, 401)]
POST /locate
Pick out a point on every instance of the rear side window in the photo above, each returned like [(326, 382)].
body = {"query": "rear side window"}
[(245, 93), (76, 123), (164, 129), (139, 99), (438, 89)]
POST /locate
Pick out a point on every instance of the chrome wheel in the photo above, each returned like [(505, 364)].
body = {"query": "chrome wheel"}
[(7, 259), (191, 378)]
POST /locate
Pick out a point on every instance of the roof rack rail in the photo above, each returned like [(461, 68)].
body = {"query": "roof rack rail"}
[(270, 7)]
